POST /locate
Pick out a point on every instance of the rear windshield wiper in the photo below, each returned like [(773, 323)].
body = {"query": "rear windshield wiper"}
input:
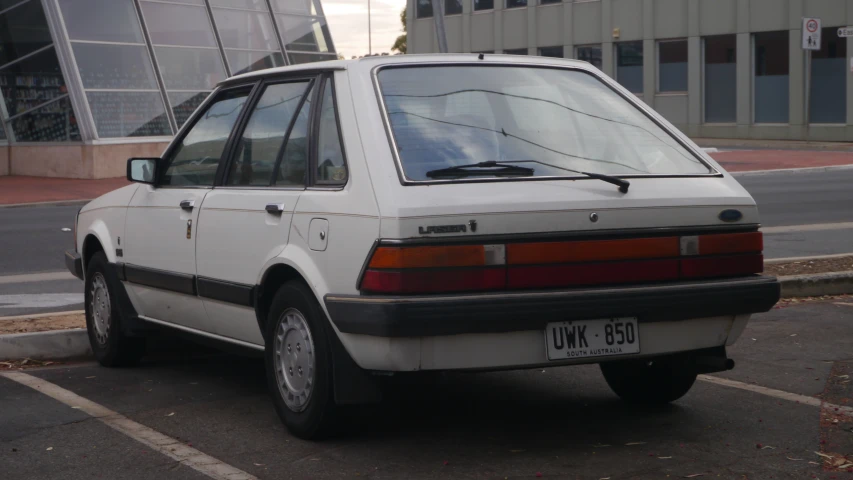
[(491, 168), (622, 184)]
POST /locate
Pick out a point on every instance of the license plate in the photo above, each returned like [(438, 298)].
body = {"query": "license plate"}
[(592, 338)]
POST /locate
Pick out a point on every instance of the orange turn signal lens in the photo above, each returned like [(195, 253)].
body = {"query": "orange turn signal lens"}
[(591, 251), (731, 243), (429, 257)]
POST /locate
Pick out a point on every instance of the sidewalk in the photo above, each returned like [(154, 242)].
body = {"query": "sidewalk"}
[(16, 190), (751, 160)]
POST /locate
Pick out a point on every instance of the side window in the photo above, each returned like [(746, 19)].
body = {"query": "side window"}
[(262, 139), (196, 159), (331, 168), (294, 159)]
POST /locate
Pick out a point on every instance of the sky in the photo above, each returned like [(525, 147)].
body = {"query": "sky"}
[(348, 24)]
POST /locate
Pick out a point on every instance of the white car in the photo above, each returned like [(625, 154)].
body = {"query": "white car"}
[(355, 219)]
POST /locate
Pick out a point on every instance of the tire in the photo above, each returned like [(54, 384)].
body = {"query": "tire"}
[(111, 347), (655, 381), (300, 379)]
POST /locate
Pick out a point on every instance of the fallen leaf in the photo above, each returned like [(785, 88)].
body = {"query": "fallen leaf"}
[(848, 465), (768, 446), (795, 459), (824, 455), (49, 448), (599, 445), (91, 376), (793, 334), (169, 415), (813, 463), (635, 443), (664, 458), (695, 475)]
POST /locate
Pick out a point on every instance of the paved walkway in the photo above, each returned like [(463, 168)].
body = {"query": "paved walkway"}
[(21, 190)]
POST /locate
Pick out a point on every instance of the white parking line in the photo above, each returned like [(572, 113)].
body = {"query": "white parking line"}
[(808, 228), (791, 397), (155, 440)]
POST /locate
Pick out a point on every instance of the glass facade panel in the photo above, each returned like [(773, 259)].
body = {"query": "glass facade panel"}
[(629, 66), (32, 81), (260, 5), (452, 7), (246, 30), (771, 77), (190, 68), (2, 133), (114, 66), (263, 137), (672, 66), (590, 54), (829, 80), (115, 20), (305, 34), (554, 52), (298, 58), (241, 61), (721, 79), (184, 104), (484, 5), (302, 7), (183, 25), (54, 122), (129, 114), (23, 30)]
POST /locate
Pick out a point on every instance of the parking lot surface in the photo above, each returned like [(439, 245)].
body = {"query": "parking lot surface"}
[(771, 420)]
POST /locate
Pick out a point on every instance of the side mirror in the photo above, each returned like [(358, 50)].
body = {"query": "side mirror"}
[(142, 170)]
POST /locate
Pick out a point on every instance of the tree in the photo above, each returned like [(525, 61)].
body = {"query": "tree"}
[(400, 43)]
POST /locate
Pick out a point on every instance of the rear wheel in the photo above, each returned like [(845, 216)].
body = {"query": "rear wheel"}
[(103, 317), (298, 363), (654, 381)]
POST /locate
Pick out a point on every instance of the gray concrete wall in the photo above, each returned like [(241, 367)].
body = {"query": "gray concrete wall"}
[(574, 23)]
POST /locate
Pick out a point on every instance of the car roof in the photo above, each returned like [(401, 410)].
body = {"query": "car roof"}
[(381, 60)]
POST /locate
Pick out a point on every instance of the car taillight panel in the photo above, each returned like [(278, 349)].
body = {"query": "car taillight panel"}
[(525, 265)]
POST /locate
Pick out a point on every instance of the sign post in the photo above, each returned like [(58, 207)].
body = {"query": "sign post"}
[(811, 42)]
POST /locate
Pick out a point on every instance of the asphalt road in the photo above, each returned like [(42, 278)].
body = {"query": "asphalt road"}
[(554, 423), (32, 240)]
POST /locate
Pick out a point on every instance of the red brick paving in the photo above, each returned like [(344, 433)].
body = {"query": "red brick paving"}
[(17, 189), (750, 160)]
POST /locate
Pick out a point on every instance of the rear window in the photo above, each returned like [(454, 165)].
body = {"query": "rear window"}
[(554, 121)]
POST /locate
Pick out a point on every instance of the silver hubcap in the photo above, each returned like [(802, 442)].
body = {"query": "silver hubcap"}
[(294, 360), (100, 308)]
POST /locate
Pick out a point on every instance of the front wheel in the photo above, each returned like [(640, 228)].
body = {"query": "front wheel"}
[(652, 381), (298, 363)]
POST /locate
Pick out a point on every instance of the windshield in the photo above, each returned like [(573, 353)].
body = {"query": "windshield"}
[(552, 119)]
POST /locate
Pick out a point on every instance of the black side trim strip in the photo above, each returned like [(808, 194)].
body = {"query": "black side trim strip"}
[(74, 263), (119, 268), (175, 282), (511, 312), (223, 291)]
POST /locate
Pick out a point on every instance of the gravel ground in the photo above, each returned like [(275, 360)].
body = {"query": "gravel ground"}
[(840, 264), (42, 324)]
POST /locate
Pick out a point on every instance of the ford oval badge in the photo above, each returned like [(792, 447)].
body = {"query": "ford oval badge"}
[(730, 215)]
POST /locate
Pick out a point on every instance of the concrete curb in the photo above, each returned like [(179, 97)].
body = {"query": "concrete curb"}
[(817, 284), (791, 171), (55, 345)]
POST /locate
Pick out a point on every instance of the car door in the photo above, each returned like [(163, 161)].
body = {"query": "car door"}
[(159, 248), (245, 221)]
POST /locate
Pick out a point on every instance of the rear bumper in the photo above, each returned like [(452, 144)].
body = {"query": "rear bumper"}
[(527, 311), (74, 263)]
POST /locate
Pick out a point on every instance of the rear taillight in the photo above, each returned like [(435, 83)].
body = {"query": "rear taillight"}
[(513, 266)]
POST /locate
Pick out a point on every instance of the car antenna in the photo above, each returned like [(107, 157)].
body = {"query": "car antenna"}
[(481, 56)]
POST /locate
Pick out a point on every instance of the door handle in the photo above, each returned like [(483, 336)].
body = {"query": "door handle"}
[(187, 204), (275, 208)]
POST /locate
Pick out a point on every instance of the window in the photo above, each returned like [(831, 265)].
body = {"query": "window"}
[(484, 5), (591, 54), (452, 7), (259, 145), (294, 161), (770, 84), (195, 160), (629, 66), (446, 116), (546, 2), (828, 103), (516, 3), (23, 30), (424, 8), (555, 52), (331, 168), (672, 66), (515, 51), (721, 79)]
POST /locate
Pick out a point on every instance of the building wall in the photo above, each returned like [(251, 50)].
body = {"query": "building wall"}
[(77, 161), (574, 23)]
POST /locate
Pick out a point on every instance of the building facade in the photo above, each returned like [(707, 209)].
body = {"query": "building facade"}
[(714, 68), (85, 84)]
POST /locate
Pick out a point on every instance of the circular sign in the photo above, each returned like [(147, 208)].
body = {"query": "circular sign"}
[(811, 26)]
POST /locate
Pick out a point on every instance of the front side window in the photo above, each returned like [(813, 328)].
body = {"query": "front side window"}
[(195, 160), (555, 121), (262, 139), (331, 168)]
